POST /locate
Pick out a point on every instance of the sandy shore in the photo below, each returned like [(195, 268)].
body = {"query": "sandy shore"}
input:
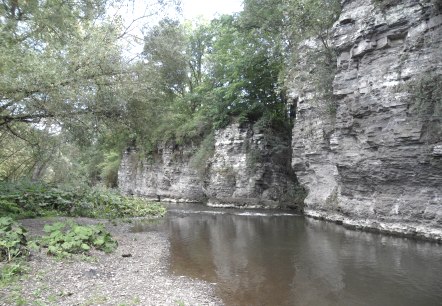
[(141, 277)]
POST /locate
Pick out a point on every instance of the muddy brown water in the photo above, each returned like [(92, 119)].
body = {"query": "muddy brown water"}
[(279, 258)]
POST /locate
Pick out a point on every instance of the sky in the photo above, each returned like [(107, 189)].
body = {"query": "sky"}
[(191, 9), (209, 8)]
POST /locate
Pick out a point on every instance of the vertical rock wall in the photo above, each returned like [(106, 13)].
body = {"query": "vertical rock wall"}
[(250, 169), (377, 161), (246, 170), (370, 157), (165, 176)]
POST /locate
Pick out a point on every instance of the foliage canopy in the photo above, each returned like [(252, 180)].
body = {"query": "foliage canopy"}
[(70, 101)]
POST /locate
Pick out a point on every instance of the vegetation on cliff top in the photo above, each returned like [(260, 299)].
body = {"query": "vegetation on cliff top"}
[(72, 100)]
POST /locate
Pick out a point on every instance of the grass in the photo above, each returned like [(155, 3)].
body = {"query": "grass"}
[(11, 272), (95, 300)]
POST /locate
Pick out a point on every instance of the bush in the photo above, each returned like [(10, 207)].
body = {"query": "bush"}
[(427, 95), (24, 200), (8, 207), (63, 240), (109, 169), (10, 272), (12, 240), (201, 157), (28, 199), (109, 204)]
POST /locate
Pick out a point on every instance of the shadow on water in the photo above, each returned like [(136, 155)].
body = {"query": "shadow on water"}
[(274, 258)]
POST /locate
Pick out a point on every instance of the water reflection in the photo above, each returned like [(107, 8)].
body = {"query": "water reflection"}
[(289, 260)]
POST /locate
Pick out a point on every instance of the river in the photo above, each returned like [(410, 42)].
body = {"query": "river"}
[(280, 258)]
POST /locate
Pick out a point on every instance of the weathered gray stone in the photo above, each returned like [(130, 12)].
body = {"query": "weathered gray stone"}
[(165, 176), (383, 43), (374, 163), (377, 163), (437, 150), (246, 170), (363, 47), (435, 21), (344, 58)]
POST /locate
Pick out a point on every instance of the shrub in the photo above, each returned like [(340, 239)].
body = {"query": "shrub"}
[(427, 94), (109, 168), (426, 103), (253, 159), (8, 207), (21, 200), (28, 199), (12, 240), (109, 204), (63, 240), (201, 157), (10, 272)]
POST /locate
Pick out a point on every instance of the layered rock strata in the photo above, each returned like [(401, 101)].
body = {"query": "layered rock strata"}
[(375, 160), (248, 168), (251, 168), (167, 175)]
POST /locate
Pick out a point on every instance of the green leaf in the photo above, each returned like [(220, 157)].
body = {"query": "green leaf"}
[(99, 241)]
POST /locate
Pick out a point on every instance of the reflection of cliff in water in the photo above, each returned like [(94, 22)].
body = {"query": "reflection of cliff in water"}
[(226, 249), (288, 260)]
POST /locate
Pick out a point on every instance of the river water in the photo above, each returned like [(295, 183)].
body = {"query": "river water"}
[(278, 258)]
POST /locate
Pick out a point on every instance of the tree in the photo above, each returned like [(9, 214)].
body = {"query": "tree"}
[(164, 48), (64, 81), (312, 18), (61, 70), (199, 46), (244, 70)]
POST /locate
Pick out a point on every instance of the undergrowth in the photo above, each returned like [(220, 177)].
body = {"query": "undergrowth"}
[(10, 272), (61, 240), (13, 242), (27, 200), (66, 239), (201, 157), (13, 248)]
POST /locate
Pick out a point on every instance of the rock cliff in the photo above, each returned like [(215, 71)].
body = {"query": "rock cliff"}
[(368, 151), (167, 175), (251, 168), (247, 168), (374, 159)]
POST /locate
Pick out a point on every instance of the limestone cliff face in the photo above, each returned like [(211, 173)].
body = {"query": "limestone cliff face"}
[(376, 162), (369, 156), (165, 176), (248, 169)]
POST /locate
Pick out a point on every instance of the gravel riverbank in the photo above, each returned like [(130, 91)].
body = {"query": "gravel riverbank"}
[(135, 274)]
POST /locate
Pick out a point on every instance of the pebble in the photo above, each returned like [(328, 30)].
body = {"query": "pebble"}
[(110, 281)]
